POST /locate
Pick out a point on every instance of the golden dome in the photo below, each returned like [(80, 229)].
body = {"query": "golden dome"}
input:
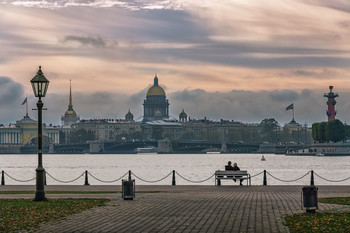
[(155, 89)]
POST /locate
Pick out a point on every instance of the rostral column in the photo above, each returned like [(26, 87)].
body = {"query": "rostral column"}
[(331, 112)]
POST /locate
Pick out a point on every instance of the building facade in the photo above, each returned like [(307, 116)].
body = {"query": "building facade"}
[(25, 132)]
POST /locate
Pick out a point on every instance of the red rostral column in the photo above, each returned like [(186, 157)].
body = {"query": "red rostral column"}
[(331, 103)]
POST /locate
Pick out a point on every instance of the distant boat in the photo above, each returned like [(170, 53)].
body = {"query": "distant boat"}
[(147, 150), (263, 158), (213, 152), (320, 154)]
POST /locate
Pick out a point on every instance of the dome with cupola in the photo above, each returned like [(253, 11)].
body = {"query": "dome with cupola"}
[(155, 90), (156, 106)]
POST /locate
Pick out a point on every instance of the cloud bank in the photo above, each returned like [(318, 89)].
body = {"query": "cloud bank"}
[(252, 57)]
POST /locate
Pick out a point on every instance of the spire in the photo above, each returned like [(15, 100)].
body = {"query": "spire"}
[(155, 80), (70, 105)]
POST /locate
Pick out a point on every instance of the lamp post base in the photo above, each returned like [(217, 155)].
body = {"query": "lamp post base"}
[(40, 192)]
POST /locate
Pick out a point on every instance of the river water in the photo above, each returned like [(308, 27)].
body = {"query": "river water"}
[(194, 167)]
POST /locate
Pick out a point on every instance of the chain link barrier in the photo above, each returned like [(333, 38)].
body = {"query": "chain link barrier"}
[(257, 174), (62, 181), (288, 180), (107, 181), (192, 181), (18, 179), (330, 180), (188, 180), (152, 181)]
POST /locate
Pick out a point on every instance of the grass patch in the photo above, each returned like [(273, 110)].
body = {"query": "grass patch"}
[(335, 200), (58, 192), (24, 214), (72, 192), (321, 221)]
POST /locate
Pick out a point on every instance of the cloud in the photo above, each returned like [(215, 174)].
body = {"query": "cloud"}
[(89, 41), (11, 97), (236, 105)]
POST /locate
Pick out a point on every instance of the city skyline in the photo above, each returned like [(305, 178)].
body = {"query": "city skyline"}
[(234, 60)]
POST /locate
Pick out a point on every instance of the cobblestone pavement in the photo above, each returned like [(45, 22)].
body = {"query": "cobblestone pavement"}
[(186, 208)]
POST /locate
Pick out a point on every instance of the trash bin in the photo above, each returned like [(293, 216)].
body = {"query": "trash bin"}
[(310, 198), (128, 189)]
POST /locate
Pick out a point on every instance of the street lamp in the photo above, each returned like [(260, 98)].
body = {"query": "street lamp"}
[(40, 85)]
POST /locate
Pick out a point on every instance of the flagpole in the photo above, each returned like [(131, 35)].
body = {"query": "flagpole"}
[(26, 106)]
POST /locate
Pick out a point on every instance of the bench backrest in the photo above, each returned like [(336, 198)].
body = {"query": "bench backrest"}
[(225, 173)]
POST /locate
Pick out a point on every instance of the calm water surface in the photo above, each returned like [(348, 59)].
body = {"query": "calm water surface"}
[(195, 167)]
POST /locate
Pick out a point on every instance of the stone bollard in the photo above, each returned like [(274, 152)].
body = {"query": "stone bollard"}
[(86, 178), (265, 178), (173, 181), (2, 177)]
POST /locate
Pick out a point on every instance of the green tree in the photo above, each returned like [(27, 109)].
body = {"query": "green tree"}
[(335, 131), (322, 131), (81, 136), (285, 135), (315, 134), (269, 129), (347, 131)]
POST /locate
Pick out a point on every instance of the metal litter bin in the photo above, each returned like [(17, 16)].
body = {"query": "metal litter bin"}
[(310, 198), (128, 189)]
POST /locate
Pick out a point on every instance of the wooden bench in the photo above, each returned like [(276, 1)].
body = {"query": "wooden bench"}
[(230, 175)]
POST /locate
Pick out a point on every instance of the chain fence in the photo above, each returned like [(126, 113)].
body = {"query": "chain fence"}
[(152, 181), (173, 178), (329, 179), (107, 181), (62, 181), (18, 179), (193, 181), (288, 180), (257, 174)]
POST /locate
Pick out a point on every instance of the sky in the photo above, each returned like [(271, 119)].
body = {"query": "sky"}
[(241, 60)]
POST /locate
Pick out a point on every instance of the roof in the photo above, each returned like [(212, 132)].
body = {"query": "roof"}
[(155, 90), (163, 122)]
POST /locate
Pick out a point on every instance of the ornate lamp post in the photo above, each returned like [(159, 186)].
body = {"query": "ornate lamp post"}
[(40, 85)]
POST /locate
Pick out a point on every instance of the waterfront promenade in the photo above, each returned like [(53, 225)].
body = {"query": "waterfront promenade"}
[(227, 208)]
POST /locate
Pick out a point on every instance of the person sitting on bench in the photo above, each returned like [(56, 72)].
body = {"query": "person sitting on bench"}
[(236, 168), (229, 167)]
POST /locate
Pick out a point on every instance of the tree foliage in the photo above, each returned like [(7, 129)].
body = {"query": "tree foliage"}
[(347, 131), (335, 131), (81, 136), (269, 129), (315, 132), (322, 131)]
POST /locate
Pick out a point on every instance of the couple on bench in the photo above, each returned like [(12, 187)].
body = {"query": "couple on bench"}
[(229, 167)]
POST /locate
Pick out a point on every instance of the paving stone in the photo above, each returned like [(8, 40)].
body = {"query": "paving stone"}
[(184, 208)]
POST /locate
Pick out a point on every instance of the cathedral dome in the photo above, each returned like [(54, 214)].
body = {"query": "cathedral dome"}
[(156, 90)]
